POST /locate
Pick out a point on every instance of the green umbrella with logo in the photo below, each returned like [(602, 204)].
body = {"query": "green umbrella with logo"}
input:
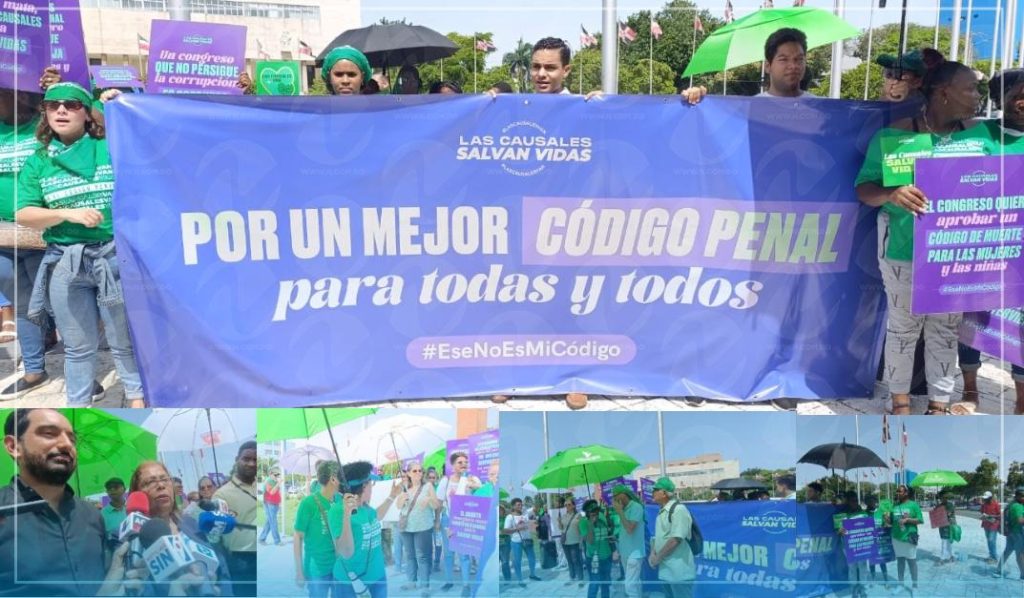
[(583, 465), (291, 424), (107, 446), (742, 41), (938, 477)]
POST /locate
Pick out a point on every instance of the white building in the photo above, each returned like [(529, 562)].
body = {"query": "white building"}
[(701, 471)]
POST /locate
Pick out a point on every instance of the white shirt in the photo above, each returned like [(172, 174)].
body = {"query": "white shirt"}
[(514, 521), (803, 94)]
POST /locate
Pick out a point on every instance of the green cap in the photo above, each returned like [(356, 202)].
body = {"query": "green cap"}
[(346, 53), (912, 62), (665, 484), (624, 489), (68, 91)]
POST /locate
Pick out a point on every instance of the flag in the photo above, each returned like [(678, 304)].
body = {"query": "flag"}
[(729, 15), (655, 29), (905, 438), (305, 49), (626, 33), (484, 45), (885, 429), (586, 40), (143, 42), (798, 3), (260, 52), (697, 25), (768, 4)]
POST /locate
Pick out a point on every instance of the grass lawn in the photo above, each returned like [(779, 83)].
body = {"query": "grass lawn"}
[(291, 506)]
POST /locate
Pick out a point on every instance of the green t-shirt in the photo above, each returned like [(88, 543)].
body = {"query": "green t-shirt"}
[(838, 518), (317, 543), (16, 145), (971, 142), (367, 560), (1016, 512), (112, 518), (601, 542), (1003, 140), (912, 510), (46, 182)]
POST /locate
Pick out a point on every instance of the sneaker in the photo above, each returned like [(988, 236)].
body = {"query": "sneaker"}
[(97, 391), (21, 386), (447, 587), (535, 578)]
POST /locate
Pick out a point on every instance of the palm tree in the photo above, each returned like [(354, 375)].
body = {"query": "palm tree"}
[(518, 63)]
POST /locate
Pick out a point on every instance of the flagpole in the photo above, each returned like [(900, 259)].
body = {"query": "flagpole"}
[(609, 51), (992, 62), (938, 22), (954, 49), (836, 81), (474, 63), (856, 423), (650, 63), (871, 36), (694, 47), (1009, 35), (967, 34)]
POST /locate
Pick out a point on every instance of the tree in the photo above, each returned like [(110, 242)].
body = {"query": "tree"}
[(885, 40), (639, 78), (1014, 476), (853, 83), (517, 62), (458, 68)]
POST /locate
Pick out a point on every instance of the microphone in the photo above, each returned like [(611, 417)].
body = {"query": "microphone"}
[(165, 553), (213, 522), (205, 555), (137, 507)]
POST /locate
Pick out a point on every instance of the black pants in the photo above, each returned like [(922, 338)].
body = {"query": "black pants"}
[(574, 557)]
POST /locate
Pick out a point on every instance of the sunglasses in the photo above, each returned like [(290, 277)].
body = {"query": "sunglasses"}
[(71, 105), (415, 471)]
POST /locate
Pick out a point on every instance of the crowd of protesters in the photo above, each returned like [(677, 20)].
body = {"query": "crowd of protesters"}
[(54, 543)]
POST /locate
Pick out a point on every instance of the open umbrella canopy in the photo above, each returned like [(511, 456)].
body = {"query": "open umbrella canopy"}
[(938, 477), (742, 41), (190, 429), (583, 465), (436, 460), (841, 455), (108, 446), (739, 484), (395, 438), (288, 424), (302, 460), (396, 44)]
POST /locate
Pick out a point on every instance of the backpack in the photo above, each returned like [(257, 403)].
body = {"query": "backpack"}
[(696, 539)]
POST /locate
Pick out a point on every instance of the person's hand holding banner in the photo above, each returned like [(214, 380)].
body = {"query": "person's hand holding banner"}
[(910, 199)]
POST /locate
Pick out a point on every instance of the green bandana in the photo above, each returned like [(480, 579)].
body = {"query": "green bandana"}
[(346, 53), (78, 158), (69, 91)]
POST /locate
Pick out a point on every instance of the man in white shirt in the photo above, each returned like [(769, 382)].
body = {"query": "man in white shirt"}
[(670, 552), (785, 55), (785, 487)]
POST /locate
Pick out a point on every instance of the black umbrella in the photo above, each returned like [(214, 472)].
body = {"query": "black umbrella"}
[(840, 455), (394, 45), (739, 484)]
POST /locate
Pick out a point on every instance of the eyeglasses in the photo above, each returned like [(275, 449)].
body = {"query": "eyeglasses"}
[(71, 105), (151, 482), (206, 487), (415, 471)]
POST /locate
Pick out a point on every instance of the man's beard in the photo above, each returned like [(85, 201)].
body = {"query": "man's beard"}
[(39, 467)]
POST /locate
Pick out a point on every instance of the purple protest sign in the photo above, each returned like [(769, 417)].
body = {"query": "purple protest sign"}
[(606, 487), (967, 248), (860, 542), (997, 332), (483, 449), (470, 517), (647, 491), (24, 43), (191, 57), (883, 536), (407, 462), (67, 42), (107, 76)]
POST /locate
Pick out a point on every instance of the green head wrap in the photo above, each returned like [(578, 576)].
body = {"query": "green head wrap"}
[(346, 53), (69, 91), (624, 489)]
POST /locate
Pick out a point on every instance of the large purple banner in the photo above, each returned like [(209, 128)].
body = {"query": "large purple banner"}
[(24, 43), (190, 57), (483, 450), (67, 42), (967, 248), (998, 333), (860, 542), (470, 519)]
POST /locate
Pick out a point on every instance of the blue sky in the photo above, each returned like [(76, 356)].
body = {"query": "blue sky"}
[(533, 19), (755, 439), (956, 443)]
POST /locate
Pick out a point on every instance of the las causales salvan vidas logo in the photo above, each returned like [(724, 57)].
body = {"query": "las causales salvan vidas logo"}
[(772, 522), (979, 178), (524, 148)]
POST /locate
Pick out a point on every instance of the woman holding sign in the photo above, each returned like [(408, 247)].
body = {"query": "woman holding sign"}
[(346, 71), (1007, 138), (886, 180), (65, 190), (417, 506)]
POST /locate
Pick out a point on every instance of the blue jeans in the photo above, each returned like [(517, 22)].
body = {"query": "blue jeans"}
[(378, 589), (970, 360), (417, 555), (990, 537), (505, 556), (77, 313), (23, 271), (601, 580), (320, 587), (271, 526), (449, 557), (517, 558)]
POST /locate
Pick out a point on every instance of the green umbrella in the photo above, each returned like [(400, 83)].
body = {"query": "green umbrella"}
[(742, 41), (436, 460), (108, 446), (583, 465), (503, 494), (288, 424), (938, 477)]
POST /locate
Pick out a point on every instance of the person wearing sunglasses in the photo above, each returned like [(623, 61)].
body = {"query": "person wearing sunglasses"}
[(417, 505), (65, 189)]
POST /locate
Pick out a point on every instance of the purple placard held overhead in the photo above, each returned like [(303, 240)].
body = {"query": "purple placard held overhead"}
[(647, 491), (24, 44), (860, 542), (67, 42), (483, 450), (190, 57), (998, 333), (967, 248), (470, 519), (107, 76), (608, 486)]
